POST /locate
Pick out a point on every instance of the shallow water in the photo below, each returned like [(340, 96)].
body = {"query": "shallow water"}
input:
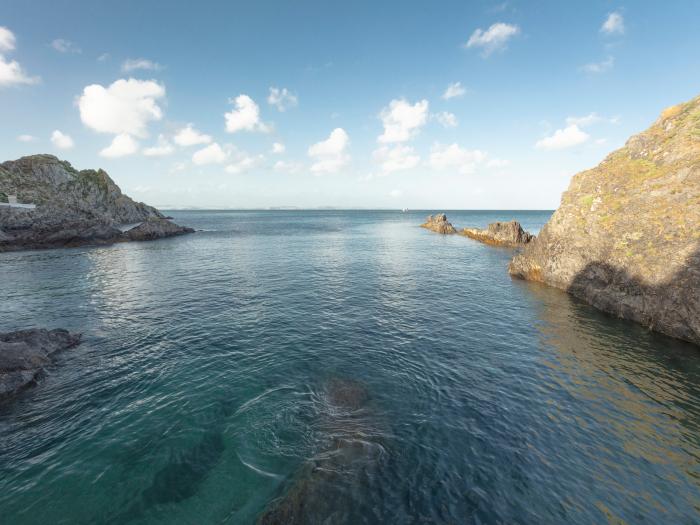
[(198, 394)]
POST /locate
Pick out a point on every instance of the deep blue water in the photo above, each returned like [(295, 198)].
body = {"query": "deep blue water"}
[(198, 394)]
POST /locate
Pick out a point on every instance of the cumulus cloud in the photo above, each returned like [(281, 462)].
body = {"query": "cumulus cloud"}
[(26, 138), (245, 116), (65, 46), (212, 154), (495, 38), (614, 24), (454, 90), (133, 64), (590, 119), (396, 158), (282, 99), (125, 107), (446, 119), (61, 140), (278, 148), (11, 72), (330, 155), (121, 146), (402, 120), (563, 138), (454, 157), (498, 163), (243, 162), (599, 67), (189, 136), (161, 149)]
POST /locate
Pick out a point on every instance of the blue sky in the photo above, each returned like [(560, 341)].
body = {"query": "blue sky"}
[(361, 115)]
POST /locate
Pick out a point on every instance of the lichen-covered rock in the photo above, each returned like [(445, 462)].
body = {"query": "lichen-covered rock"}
[(509, 234), (626, 237), (73, 207), (24, 353), (438, 223)]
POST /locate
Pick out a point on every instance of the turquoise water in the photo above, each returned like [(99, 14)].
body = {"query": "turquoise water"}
[(200, 394)]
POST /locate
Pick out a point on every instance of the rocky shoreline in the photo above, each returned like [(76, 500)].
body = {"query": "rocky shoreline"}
[(25, 353), (506, 234), (69, 208), (626, 237)]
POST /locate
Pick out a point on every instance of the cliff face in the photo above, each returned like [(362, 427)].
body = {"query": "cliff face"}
[(73, 207), (626, 237)]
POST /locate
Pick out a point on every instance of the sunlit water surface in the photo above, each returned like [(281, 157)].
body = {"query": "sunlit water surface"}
[(195, 396)]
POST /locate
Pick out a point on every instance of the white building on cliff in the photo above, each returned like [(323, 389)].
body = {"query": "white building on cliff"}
[(12, 203)]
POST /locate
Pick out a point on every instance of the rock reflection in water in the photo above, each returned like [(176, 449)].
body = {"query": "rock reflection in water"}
[(328, 488)]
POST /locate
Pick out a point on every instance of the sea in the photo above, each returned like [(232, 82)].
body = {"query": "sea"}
[(203, 389)]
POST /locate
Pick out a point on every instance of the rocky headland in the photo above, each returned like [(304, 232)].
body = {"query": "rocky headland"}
[(626, 237), (25, 353), (507, 234), (73, 208), (438, 223)]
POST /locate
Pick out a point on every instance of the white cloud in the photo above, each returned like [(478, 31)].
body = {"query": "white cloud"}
[(446, 119), (65, 46), (498, 163), (11, 72), (590, 119), (283, 99), (454, 157), (125, 107), (7, 39), (189, 136), (246, 116), (614, 24), (121, 146), (26, 138), (284, 166), (61, 140), (396, 158), (243, 162), (133, 64), (599, 67), (330, 155), (103, 57), (161, 149), (278, 148), (212, 154), (454, 90), (564, 138), (395, 194), (402, 121), (495, 38)]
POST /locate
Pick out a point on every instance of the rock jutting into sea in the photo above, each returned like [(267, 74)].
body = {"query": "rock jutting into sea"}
[(508, 234), (71, 208), (23, 355), (438, 223), (626, 237)]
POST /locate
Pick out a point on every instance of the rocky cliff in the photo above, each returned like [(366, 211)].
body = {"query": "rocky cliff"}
[(626, 237), (73, 207)]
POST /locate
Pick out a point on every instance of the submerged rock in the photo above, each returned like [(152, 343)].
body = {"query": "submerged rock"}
[(73, 207), (438, 223), (509, 234), (23, 355), (626, 237), (324, 488)]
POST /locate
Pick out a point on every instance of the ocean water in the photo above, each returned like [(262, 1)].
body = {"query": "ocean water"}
[(201, 391)]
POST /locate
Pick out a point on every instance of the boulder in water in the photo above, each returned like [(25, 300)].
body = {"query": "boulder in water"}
[(439, 224), (510, 234)]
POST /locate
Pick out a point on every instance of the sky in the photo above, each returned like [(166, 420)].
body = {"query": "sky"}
[(413, 104)]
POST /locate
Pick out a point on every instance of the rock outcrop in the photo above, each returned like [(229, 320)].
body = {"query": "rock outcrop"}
[(23, 355), (438, 223), (626, 237), (508, 234), (72, 207)]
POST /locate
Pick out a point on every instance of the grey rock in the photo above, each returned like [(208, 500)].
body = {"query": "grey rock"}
[(439, 224), (24, 353), (156, 228), (509, 234), (72, 207)]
